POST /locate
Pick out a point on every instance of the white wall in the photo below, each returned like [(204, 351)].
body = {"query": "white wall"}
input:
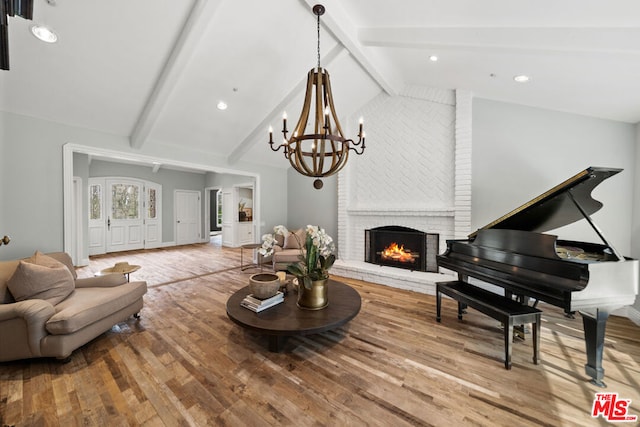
[(520, 152), (31, 167), (635, 230)]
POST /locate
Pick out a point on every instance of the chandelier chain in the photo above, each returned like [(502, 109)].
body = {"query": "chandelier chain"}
[(318, 41)]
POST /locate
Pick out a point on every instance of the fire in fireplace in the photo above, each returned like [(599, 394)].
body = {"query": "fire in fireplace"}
[(393, 252), (402, 247)]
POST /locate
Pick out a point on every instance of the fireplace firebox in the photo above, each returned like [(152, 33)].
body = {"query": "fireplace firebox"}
[(402, 247)]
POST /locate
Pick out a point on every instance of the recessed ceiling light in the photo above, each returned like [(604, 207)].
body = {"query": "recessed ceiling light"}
[(222, 105), (433, 58), (521, 78), (44, 33)]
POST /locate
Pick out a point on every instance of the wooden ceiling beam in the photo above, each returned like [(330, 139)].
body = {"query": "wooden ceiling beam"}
[(201, 15), (339, 24)]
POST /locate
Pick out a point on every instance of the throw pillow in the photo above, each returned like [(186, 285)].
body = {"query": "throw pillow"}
[(295, 240), (41, 277), (39, 258)]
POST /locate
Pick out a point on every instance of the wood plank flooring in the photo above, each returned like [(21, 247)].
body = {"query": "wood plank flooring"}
[(185, 363)]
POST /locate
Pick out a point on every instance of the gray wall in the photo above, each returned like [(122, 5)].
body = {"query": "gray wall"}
[(635, 231), (32, 180), (4, 177), (307, 205), (520, 152), (273, 201)]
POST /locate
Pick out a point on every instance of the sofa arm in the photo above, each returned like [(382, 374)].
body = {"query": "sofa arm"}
[(104, 281), (34, 313)]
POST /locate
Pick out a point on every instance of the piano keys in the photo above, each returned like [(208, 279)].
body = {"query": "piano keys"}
[(515, 253)]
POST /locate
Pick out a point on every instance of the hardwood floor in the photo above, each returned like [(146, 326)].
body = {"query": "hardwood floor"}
[(185, 363)]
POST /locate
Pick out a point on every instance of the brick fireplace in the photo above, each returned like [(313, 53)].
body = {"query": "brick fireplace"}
[(417, 174)]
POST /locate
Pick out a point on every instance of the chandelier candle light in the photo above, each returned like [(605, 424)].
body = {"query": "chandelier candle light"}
[(326, 151)]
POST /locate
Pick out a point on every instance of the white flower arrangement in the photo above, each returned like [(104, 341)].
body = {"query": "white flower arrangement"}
[(315, 261)]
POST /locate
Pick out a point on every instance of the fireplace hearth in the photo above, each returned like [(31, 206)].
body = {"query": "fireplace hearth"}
[(401, 247)]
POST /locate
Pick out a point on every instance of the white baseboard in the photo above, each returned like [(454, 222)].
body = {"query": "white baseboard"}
[(167, 244), (629, 312)]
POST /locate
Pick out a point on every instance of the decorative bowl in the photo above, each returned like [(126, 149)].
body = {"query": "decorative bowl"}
[(264, 285)]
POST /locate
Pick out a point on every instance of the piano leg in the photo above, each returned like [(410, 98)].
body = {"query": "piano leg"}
[(594, 329), (462, 309), (508, 338)]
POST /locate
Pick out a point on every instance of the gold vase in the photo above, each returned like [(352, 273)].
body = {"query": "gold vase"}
[(314, 298)]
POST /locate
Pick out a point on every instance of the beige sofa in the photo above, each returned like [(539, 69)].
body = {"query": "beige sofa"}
[(287, 249), (50, 324)]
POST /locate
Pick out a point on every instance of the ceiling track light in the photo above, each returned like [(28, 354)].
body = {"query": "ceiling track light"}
[(44, 34)]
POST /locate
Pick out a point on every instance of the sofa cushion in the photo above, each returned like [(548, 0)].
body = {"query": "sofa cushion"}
[(295, 240), (288, 256), (41, 277), (88, 305), (7, 268)]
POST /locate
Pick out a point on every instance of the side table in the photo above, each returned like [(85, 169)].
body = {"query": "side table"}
[(121, 268), (252, 246)]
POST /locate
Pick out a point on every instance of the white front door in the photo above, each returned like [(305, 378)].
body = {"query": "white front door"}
[(125, 225), (188, 224), (153, 215)]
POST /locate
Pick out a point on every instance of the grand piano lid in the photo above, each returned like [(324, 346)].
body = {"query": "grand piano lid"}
[(564, 204)]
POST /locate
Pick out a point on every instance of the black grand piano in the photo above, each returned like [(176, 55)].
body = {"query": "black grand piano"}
[(513, 253)]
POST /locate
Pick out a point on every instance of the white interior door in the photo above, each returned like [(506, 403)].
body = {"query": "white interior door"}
[(153, 215), (229, 216), (125, 219), (97, 221), (188, 224)]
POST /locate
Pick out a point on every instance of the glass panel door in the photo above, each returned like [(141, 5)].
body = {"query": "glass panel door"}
[(97, 222), (124, 222)]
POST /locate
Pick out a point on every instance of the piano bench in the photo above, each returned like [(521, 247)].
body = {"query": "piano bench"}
[(501, 308)]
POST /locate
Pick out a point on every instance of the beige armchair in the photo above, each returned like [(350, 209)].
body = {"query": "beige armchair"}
[(288, 249), (53, 320)]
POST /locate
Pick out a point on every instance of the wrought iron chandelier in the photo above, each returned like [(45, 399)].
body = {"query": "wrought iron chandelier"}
[(325, 151)]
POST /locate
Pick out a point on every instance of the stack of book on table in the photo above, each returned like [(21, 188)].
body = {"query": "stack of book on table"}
[(257, 304)]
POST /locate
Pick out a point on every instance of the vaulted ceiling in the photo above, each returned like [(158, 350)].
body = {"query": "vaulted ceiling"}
[(154, 70)]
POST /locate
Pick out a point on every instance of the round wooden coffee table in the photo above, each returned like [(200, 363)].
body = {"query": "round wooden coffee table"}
[(286, 319)]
